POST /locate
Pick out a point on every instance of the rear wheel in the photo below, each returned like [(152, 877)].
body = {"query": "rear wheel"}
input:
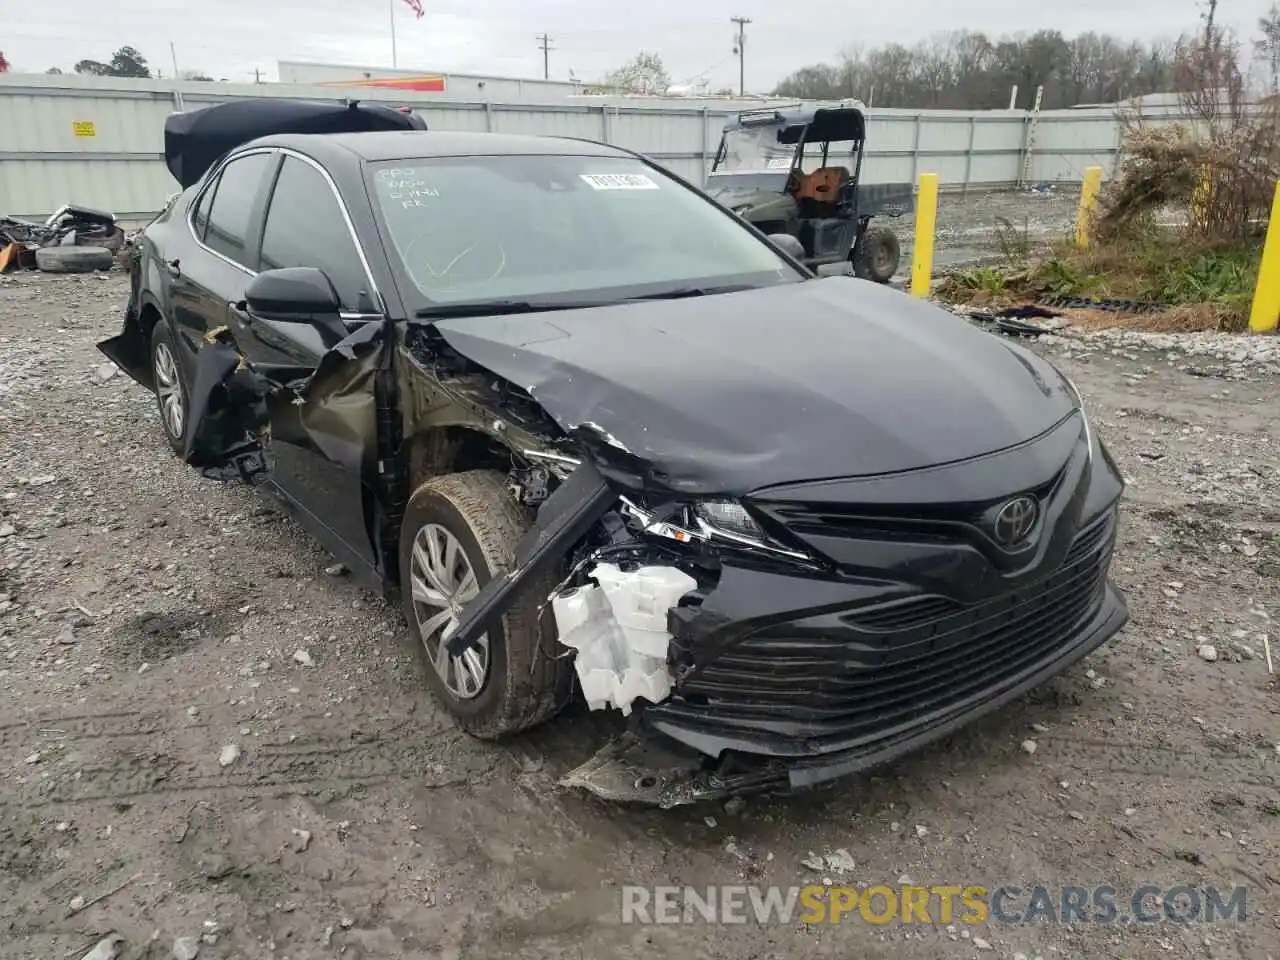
[(170, 385), (459, 531), (877, 255)]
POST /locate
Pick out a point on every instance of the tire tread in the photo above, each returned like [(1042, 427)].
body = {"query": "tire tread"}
[(538, 683)]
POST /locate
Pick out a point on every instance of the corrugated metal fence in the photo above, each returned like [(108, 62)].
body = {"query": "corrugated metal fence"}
[(99, 141)]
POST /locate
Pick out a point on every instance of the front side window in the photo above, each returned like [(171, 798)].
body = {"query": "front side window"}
[(305, 228), (229, 216), (567, 227)]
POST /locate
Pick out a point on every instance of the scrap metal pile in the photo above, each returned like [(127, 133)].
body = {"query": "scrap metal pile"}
[(73, 239)]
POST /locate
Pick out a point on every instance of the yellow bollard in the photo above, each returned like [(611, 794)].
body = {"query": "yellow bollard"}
[(1265, 314), (1088, 201), (1200, 198), (926, 221)]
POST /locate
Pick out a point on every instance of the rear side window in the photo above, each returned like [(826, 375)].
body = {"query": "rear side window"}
[(306, 228), (229, 216), (200, 218)]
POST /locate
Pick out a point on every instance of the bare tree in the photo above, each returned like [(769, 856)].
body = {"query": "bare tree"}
[(970, 70), (644, 73), (1267, 47)]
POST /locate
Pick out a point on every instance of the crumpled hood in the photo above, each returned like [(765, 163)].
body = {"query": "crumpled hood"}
[(726, 394)]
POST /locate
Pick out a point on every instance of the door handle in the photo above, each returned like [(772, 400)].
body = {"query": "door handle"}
[(173, 267)]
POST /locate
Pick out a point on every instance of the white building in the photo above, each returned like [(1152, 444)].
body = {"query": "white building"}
[(454, 86)]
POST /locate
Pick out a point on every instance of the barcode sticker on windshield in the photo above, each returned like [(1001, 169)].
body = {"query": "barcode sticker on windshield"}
[(618, 181)]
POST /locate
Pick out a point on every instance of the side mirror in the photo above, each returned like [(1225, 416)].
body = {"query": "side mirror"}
[(290, 293), (789, 245)]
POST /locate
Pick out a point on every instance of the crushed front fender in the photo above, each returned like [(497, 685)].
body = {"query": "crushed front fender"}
[(563, 519)]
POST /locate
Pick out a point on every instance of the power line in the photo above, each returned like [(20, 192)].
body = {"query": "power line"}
[(544, 41), (702, 75), (740, 50)]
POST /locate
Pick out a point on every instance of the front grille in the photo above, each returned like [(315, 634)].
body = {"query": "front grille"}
[(941, 523), (883, 668)]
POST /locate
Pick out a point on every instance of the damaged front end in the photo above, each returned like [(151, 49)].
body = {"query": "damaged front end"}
[(634, 571), (626, 554), (772, 637), (747, 665)]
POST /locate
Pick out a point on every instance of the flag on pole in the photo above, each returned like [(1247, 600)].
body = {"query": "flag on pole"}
[(416, 5)]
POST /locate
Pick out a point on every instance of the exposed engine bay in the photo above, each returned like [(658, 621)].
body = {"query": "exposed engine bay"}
[(633, 565)]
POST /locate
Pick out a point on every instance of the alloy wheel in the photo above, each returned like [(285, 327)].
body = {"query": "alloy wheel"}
[(442, 581), (169, 391)]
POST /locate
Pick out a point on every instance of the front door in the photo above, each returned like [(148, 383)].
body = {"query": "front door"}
[(217, 258), (323, 443)]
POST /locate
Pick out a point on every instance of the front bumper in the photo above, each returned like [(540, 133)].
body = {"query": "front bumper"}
[(714, 739), (1110, 618), (785, 680)]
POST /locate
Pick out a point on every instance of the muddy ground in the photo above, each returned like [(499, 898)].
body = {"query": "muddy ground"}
[(150, 619)]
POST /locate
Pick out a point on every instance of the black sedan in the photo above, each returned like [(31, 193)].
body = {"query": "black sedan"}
[(598, 436)]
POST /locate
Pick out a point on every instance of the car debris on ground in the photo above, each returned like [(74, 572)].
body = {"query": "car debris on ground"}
[(73, 239)]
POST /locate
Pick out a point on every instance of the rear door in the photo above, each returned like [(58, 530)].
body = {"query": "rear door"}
[(225, 225), (324, 448)]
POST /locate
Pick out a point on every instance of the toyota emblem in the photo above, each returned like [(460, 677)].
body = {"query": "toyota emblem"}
[(1015, 520)]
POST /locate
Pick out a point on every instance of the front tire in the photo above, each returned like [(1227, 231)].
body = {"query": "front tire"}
[(459, 531), (172, 395)]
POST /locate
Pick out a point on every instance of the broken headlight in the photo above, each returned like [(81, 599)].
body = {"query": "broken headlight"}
[(725, 522), (728, 516), (728, 520)]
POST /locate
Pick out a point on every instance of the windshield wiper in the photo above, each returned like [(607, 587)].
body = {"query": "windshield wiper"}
[(683, 292), (486, 308)]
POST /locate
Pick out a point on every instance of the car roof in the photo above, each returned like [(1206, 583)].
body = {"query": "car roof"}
[(844, 122), (422, 144)]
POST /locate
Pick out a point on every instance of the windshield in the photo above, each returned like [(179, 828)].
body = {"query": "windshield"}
[(468, 229), (755, 150)]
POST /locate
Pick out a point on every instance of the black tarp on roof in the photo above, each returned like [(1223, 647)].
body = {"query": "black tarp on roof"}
[(197, 139)]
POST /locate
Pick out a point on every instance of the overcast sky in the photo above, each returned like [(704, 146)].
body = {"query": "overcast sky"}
[(230, 38)]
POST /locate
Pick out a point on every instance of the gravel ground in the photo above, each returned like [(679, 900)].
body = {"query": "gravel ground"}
[(966, 231), (210, 743)]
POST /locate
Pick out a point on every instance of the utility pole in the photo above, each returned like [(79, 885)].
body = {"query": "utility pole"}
[(544, 41), (740, 50), (391, 13), (1208, 24)]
